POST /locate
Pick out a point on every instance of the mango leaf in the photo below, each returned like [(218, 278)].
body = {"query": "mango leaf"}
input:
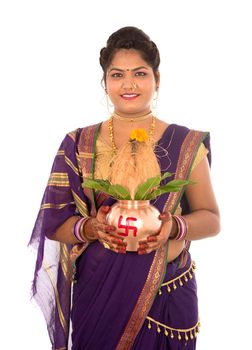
[(165, 175), (172, 186), (116, 191), (145, 188), (180, 183), (99, 185), (119, 192)]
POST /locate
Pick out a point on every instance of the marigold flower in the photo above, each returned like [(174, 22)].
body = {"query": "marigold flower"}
[(139, 135)]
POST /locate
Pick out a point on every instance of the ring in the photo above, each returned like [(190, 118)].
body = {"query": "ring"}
[(106, 245)]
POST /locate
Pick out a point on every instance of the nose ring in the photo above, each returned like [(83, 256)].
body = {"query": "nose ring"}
[(134, 86)]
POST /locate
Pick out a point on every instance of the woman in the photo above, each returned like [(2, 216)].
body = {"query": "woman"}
[(122, 300)]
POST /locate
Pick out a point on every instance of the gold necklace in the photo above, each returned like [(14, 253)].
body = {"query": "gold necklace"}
[(111, 132), (133, 119)]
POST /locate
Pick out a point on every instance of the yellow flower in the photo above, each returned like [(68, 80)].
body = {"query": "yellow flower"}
[(139, 135)]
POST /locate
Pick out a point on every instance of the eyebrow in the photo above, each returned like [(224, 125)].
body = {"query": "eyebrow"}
[(124, 70)]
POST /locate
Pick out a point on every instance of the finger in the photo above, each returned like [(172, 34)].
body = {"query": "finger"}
[(166, 216), (116, 242), (119, 242), (102, 213), (153, 238), (108, 244), (109, 228), (142, 251), (118, 251), (149, 247)]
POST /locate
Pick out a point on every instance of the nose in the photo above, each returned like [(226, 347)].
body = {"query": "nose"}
[(129, 84)]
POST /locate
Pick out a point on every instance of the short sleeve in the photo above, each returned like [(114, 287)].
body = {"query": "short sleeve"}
[(201, 153)]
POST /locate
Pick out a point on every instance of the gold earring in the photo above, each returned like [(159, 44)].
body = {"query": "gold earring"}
[(155, 100), (109, 105)]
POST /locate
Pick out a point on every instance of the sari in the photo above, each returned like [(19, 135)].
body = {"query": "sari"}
[(118, 301)]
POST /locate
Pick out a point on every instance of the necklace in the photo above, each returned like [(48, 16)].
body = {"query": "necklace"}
[(133, 119), (111, 132)]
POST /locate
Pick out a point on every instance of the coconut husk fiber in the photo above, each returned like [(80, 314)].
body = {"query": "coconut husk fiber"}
[(134, 163)]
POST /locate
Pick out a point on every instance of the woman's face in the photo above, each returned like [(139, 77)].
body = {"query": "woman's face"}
[(130, 83)]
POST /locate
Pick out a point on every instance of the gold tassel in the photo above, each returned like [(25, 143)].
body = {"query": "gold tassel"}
[(185, 334), (186, 279), (190, 275), (174, 286), (159, 292), (180, 283), (168, 289)]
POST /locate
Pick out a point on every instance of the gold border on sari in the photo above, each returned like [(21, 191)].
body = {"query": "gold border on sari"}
[(156, 273), (145, 300), (58, 179), (56, 293)]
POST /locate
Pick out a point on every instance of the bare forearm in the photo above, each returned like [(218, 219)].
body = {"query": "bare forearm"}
[(64, 233), (202, 223)]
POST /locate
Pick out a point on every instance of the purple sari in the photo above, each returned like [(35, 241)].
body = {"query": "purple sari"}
[(119, 301)]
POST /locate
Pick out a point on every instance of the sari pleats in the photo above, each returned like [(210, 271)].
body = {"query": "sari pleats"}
[(105, 295)]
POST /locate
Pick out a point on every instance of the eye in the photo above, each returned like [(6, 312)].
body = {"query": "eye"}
[(140, 74), (116, 75)]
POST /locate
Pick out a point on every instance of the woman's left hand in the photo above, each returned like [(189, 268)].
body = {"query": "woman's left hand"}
[(156, 241)]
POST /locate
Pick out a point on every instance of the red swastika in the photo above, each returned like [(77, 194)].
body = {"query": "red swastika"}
[(126, 227)]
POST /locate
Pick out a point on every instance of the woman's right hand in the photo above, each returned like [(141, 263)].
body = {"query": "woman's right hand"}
[(97, 228)]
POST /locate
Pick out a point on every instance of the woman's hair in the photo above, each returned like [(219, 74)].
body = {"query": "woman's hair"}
[(130, 38)]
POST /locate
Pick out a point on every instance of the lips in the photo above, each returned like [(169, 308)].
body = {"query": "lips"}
[(129, 96)]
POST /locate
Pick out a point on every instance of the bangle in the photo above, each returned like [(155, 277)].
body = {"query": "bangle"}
[(78, 229), (182, 227), (83, 234)]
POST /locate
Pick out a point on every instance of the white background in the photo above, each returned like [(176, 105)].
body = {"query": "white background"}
[(50, 84)]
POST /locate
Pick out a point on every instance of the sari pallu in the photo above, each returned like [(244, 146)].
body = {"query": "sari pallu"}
[(134, 295)]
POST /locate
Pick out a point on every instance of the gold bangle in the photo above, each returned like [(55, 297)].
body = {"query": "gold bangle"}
[(83, 233)]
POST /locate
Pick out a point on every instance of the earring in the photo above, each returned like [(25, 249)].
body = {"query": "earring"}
[(109, 104), (155, 100)]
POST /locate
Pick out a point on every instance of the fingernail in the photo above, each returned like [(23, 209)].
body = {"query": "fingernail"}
[(141, 251), (152, 239)]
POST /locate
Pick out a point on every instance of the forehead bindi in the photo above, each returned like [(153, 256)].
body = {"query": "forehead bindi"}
[(128, 60)]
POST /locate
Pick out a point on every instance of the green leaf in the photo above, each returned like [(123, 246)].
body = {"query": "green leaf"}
[(172, 186), (179, 183), (145, 188), (116, 191), (119, 192), (165, 175), (99, 185)]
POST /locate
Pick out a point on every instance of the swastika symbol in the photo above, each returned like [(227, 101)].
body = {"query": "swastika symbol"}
[(126, 228)]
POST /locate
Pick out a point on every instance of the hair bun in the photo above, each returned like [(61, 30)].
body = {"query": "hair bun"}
[(130, 38)]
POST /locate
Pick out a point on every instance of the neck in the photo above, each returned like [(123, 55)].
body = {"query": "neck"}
[(132, 118)]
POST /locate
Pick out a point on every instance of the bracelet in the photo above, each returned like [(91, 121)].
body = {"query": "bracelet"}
[(78, 229), (182, 227), (83, 234)]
